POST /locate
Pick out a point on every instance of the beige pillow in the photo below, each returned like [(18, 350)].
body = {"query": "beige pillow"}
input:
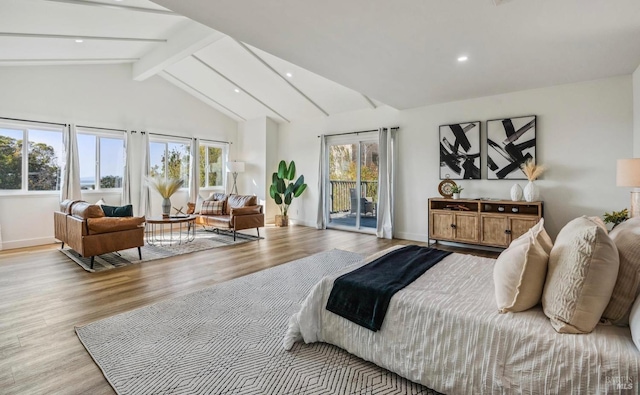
[(626, 237), (583, 268), (542, 236), (519, 274)]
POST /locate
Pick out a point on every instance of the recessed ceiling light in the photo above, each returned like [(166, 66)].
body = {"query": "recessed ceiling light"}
[(236, 90), (289, 75), (462, 59), (79, 40)]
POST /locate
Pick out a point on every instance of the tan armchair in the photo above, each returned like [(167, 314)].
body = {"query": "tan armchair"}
[(87, 231)]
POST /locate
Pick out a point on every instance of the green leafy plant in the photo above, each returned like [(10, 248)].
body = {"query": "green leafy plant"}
[(456, 189), (616, 217), (283, 189)]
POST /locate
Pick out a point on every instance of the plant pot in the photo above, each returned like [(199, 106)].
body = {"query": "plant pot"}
[(166, 207), (456, 196), (531, 192), (282, 220)]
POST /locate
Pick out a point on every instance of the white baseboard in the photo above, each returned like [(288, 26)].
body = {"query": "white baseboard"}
[(411, 236), (8, 245), (300, 222)]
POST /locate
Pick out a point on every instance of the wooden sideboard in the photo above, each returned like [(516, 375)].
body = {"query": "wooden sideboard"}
[(484, 222)]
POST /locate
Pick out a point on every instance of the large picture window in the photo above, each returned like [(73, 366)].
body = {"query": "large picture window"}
[(169, 160), (35, 166), (101, 159), (212, 160)]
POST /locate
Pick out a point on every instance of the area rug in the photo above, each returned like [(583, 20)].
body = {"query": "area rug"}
[(227, 339), (204, 240)]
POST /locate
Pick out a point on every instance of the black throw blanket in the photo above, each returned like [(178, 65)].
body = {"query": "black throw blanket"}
[(362, 296)]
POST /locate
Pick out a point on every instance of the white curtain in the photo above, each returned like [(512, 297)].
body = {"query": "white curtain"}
[(145, 194), (322, 169), (386, 182), (70, 188), (194, 182), (129, 168)]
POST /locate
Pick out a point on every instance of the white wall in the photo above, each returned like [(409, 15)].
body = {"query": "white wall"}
[(257, 147), (582, 130), (636, 113), (97, 95)]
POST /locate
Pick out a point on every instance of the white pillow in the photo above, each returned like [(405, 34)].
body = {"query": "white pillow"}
[(626, 236), (634, 322), (519, 274), (198, 207), (542, 236), (583, 268), (101, 202)]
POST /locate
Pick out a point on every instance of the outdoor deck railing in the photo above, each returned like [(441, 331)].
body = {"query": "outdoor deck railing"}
[(341, 193)]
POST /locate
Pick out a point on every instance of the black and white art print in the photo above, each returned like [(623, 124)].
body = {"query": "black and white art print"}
[(510, 143), (460, 151)]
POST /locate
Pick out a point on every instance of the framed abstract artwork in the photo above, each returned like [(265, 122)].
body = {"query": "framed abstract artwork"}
[(510, 143), (460, 151)]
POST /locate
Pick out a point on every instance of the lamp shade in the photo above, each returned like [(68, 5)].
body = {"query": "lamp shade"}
[(235, 167), (628, 173)]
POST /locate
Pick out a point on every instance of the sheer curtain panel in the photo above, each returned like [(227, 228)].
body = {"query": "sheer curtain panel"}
[(386, 169), (194, 182), (322, 173), (70, 188)]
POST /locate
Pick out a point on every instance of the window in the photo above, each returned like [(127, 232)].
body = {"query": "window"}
[(169, 160), (35, 166), (101, 159), (212, 160)]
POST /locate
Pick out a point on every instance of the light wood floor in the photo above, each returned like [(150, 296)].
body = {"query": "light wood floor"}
[(43, 295)]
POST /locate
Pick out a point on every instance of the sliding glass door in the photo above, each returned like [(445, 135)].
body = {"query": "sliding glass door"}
[(352, 184)]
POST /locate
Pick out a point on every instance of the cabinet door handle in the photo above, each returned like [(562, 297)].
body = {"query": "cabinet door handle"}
[(507, 231), (453, 226)]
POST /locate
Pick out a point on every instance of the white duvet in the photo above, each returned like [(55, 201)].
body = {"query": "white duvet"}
[(444, 331)]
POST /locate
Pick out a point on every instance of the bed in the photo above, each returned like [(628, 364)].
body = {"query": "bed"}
[(444, 331)]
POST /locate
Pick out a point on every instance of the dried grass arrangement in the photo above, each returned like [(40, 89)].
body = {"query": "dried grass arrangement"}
[(166, 187), (531, 170)]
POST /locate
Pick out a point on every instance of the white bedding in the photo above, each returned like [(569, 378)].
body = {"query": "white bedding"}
[(444, 331)]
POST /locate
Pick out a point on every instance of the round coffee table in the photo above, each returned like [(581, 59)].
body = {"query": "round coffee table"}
[(158, 234)]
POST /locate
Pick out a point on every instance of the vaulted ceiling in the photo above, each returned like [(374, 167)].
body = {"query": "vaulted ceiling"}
[(239, 80), (289, 59)]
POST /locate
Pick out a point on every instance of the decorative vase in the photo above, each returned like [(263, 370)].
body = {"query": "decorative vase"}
[(282, 220), (516, 192), (166, 207), (531, 192), (456, 196)]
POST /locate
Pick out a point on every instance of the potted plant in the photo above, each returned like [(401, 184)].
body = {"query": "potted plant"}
[(616, 217), (455, 190), (283, 189), (166, 188)]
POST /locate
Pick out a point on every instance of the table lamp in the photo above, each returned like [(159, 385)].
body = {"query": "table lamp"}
[(234, 168), (628, 175)]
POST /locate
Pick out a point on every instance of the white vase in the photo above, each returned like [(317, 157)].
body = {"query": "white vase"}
[(516, 192), (531, 192), (456, 196)]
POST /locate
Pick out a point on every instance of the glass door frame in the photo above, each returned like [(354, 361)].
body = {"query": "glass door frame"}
[(355, 139)]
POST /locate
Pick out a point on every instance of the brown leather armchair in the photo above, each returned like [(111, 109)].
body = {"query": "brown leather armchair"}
[(86, 230)]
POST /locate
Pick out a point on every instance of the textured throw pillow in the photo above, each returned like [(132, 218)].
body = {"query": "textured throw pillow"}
[(583, 268), (519, 274), (118, 211), (626, 237), (634, 323), (212, 207)]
